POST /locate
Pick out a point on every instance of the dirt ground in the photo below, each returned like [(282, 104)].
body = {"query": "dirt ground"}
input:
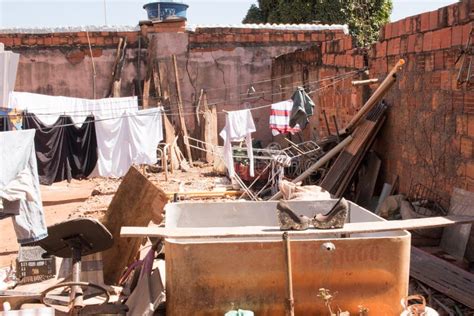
[(91, 197)]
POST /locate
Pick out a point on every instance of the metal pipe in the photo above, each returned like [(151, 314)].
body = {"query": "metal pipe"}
[(289, 276), (375, 97), (318, 164)]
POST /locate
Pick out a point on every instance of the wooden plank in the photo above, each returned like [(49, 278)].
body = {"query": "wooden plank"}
[(136, 203), (455, 239), (182, 121), (442, 276), (209, 129), (271, 231), (368, 180)]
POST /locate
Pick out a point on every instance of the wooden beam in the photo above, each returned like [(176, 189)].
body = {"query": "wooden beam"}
[(182, 121), (366, 82), (374, 98), (442, 276), (271, 231), (136, 203)]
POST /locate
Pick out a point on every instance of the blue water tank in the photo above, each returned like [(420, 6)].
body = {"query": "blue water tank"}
[(166, 10)]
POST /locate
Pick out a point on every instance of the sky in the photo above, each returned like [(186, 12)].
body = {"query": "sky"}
[(57, 13)]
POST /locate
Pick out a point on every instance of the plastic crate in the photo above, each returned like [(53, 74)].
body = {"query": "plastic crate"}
[(31, 267)]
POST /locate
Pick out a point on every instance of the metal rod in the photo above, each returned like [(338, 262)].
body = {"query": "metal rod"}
[(327, 123), (290, 306), (318, 164)]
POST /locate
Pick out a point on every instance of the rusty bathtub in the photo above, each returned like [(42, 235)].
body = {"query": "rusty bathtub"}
[(213, 276)]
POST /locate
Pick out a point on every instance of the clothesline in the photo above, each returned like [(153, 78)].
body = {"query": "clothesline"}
[(167, 111), (337, 79), (251, 82), (151, 114)]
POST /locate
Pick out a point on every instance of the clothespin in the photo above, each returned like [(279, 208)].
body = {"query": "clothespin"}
[(250, 91)]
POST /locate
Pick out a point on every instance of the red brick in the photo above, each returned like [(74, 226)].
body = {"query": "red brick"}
[(397, 28), (469, 103), (433, 20), (456, 35), (445, 37), (464, 10), (403, 45), (438, 60), (436, 40), (429, 62), (411, 43), (452, 14), (466, 147), (388, 31), (446, 80), (348, 43), (55, 40), (425, 21), (458, 101), (8, 41), (349, 60), (461, 124), (100, 41), (300, 37), (465, 32), (47, 41), (393, 47), (381, 49), (340, 60), (359, 62), (408, 25), (470, 125), (266, 37), (427, 38)]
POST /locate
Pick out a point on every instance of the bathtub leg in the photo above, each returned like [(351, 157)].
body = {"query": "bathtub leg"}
[(289, 279)]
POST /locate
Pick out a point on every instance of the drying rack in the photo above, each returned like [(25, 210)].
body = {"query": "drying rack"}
[(295, 157)]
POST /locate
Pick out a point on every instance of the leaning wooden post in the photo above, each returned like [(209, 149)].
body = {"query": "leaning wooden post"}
[(375, 97), (290, 306), (180, 112)]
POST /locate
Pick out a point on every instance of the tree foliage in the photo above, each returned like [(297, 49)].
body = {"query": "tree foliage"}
[(364, 17)]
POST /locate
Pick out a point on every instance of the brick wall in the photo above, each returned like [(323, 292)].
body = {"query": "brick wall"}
[(219, 37), (319, 69), (66, 39), (428, 137)]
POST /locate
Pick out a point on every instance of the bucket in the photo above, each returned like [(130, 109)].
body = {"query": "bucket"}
[(418, 309), (161, 11)]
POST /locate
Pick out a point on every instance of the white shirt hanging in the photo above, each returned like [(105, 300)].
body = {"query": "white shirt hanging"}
[(238, 125), (132, 138)]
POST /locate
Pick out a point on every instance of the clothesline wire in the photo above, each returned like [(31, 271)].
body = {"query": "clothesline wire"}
[(212, 103), (193, 106), (167, 112), (158, 112), (250, 83)]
